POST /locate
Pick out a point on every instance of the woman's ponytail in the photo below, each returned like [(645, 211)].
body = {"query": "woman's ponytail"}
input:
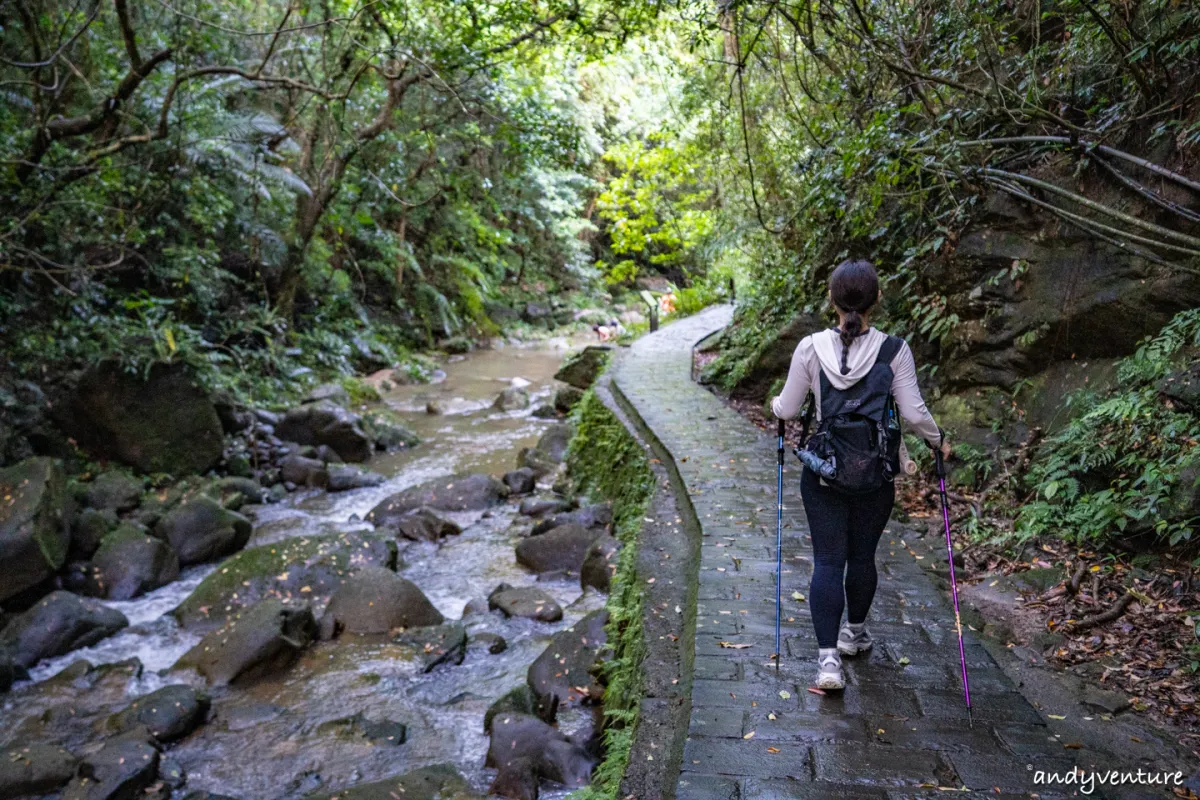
[(854, 288)]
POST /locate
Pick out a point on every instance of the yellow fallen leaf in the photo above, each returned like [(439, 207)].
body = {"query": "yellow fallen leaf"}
[(732, 646), (749, 735), (1056, 716), (798, 596), (772, 749), (772, 716), (904, 661), (785, 694)]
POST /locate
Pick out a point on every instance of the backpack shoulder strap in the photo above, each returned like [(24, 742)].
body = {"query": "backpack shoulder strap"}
[(888, 350)]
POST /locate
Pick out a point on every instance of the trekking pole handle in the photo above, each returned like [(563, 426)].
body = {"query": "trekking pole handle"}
[(782, 431), (939, 462)]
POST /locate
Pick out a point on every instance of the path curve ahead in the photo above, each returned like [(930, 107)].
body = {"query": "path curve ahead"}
[(900, 727)]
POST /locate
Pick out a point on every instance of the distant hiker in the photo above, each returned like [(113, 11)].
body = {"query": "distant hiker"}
[(851, 368), (609, 330)]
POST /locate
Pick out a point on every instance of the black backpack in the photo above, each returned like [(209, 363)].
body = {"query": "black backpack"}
[(856, 447)]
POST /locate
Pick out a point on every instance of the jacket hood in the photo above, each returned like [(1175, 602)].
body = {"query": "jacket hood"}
[(863, 351)]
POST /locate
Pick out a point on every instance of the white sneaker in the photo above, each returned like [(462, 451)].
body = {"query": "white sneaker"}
[(829, 673), (852, 643)]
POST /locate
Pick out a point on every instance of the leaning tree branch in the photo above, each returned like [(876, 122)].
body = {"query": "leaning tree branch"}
[(127, 34)]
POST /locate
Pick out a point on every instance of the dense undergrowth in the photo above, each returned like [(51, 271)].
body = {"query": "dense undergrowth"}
[(608, 464)]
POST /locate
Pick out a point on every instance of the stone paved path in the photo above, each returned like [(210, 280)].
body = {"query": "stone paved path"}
[(899, 729)]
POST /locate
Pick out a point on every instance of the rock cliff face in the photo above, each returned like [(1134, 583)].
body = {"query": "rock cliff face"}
[(1043, 309)]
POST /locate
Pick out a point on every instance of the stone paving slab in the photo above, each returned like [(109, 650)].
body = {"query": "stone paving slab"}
[(899, 730)]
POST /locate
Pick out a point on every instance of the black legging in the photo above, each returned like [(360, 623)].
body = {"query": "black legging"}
[(845, 532)]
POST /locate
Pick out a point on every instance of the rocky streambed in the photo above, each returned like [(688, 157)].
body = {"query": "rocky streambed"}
[(415, 633)]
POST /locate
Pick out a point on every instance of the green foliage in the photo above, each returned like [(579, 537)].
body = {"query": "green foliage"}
[(1115, 467), (608, 464), (657, 207), (262, 203)]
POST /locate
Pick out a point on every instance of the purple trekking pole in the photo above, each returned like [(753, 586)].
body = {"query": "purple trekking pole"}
[(962, 653)]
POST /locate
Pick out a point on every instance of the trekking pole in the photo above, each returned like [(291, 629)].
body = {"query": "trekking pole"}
[(962, 653), (779, 546)]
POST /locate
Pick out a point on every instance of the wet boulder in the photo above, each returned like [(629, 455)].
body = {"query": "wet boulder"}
[(333, 392), (544, 411), (473, 492), (522, 744), (265, 639), (57, 624), (201, 530), (520, 481), (566, 398), (438, 782), (114, 490), (387, 432), (35, 770), (512, 399), (34, 524), (168, 714), (582, 369), (594, 516), (518, 700), (600, 564), (493, 643), (377, 600), (129, 563), (526, 601), (325, 423), (564, 668), (424, 525), (89, 529), (437, 645), (533, 459), (309, 567), (165, 422), (343, 477), (540, 506), (385, 732), (123, 769), (10, 671), (1182, 388), (553, 443), (303, 471), (562, 548), (234, 492)]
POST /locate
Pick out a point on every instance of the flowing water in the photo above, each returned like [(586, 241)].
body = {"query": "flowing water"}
[(280, 738)]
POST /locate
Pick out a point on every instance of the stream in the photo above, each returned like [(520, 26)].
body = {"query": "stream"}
[(279, 737)]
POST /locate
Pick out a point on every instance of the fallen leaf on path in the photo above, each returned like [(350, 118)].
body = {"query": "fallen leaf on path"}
[(785, 694), (749, 735), (732, 646), (815, 690)]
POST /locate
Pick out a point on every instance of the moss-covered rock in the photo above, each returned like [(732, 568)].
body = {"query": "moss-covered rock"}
[(169, 713), (34, 524), (306, 567), (201, 530), (262, 640), (582, 369), (164, 423), (129, 563), (387, 431), (115, 490)]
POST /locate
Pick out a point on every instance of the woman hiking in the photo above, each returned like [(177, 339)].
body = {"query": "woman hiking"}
[(847, 512)]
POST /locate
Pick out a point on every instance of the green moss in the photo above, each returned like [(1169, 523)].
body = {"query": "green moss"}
[(360, 391), (608, 463)]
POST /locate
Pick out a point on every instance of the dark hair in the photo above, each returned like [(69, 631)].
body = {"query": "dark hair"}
[(854, 287)]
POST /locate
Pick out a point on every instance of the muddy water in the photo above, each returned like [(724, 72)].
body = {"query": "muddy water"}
[(280, 738)]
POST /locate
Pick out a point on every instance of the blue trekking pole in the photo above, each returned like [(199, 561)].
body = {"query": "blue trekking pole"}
[(779, 546), (962, 654)]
